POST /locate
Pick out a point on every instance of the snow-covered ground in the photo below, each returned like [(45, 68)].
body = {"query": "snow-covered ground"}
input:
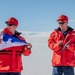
[(39, 62)]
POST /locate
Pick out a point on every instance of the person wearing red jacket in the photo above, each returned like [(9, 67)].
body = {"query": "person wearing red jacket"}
[(11, 58), (62, 42)]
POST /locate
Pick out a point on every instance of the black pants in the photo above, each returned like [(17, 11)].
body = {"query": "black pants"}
[(10, 73)]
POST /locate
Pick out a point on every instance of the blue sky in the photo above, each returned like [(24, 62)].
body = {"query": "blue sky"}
[(36, 15)]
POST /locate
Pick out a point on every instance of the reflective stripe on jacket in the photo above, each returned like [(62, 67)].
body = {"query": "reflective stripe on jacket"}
[(67, 56)]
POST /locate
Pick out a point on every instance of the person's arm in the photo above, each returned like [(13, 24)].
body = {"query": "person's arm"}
[(71, 45), (53, 45), (27, 49)]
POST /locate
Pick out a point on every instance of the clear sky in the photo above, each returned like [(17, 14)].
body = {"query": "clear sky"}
[(37, 15)]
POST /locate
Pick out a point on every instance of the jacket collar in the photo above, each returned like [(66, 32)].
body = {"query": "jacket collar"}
[(6, 30), (69, 29)]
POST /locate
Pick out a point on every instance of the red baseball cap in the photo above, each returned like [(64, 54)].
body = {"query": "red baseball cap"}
[(63, 18), (12, 20)]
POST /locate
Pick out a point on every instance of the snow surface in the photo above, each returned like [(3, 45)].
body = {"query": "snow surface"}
[(39, 62)]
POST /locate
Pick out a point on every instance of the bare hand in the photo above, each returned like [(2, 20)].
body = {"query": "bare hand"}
[(28, 46), (60, 43), (0, 41)]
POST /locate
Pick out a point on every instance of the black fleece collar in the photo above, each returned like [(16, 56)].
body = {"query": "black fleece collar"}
[(17, 33), (69, 29)]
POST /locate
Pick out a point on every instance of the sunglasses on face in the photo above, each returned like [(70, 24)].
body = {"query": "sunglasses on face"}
[(61, 22), (10, 25)]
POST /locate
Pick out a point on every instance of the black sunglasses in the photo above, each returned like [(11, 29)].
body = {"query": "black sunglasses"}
[(61, 22), (10, 25)]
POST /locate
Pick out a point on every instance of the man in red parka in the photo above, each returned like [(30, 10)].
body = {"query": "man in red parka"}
[(62, 42), (11, 58)]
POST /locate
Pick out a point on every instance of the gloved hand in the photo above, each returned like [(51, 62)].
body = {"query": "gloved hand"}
[(28, 46)]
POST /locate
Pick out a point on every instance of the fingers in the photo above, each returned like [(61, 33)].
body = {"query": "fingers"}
[(0, 41), (28, 46), (60, 43)]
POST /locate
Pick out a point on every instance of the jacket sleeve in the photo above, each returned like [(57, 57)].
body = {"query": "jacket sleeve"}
[(26, 52), (52, 44), (71, 47)]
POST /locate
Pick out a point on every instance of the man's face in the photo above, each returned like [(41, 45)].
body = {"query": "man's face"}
[(11, 27), (63, 25)]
